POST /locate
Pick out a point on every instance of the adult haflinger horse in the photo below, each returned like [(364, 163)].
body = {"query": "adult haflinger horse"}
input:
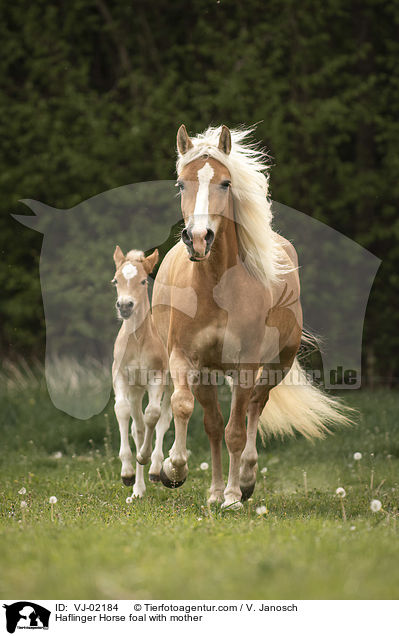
[(247, 320)]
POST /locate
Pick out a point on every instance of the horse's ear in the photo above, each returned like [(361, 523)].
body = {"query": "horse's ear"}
[(150, 262), (184, 142), (119, 257), (225, 140)]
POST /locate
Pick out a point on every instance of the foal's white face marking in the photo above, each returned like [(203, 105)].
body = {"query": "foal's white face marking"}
[(129, 271), (201, 210)]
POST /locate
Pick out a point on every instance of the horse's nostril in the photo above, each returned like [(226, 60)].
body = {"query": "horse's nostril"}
[(210, 235), (187, 237)]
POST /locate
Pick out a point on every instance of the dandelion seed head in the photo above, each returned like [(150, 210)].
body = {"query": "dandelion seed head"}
[(261, 510), (357, 456), (129, 500), (264, 470), (22, 491), (204, 466), (53, 500), (340, 492), (375, 505)]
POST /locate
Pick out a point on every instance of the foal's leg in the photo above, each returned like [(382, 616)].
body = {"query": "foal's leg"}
[(214, 427), (160, 430), (122, 412), (236, 437), (175, 469), (151, 417), (136, 399), (249, 458)]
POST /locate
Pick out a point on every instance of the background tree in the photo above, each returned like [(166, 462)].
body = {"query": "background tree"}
[(93, 92)]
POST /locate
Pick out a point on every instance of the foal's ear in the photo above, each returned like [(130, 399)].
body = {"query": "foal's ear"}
[(150, 262), (118, 257), (184, 142), (225, 140)]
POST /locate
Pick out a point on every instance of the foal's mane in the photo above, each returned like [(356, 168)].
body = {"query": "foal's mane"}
[(258, 245)]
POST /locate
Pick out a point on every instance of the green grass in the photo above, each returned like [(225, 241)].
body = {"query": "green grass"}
[(169, 545)]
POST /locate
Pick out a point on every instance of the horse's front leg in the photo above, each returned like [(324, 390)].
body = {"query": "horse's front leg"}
[(175, 469), (236, 437), (151, 417), (160, 430), (136, 402), (122, 412), (249, 458), (214, 427)]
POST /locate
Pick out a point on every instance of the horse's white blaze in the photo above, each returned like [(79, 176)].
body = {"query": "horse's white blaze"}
[(129, 271), (124, 299), (201, 210)]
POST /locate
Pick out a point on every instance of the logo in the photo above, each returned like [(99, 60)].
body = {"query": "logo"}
[(26, 615)]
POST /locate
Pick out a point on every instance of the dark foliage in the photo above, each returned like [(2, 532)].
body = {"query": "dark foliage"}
[(93, 92)]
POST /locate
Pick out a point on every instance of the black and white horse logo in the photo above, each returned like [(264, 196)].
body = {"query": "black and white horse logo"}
[(26, 615)]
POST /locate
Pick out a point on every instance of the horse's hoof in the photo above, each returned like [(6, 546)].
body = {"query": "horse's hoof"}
[(129, 481), (154, 477), (169, 483), (247, 491), (235, 505)]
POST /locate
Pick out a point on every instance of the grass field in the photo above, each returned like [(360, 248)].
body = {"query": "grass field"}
[(169, 545)]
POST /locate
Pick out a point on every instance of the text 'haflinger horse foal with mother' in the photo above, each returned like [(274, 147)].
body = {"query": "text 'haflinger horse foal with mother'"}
[(244, 317), (140, 365)]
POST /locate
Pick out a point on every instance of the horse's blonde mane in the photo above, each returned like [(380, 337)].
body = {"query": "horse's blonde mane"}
[(258, 245)]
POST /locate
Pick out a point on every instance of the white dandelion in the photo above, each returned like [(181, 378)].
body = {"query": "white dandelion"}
[(264, 470), (261, 510), (52, 500), (22, 491), (340, 492), (375, 505), (129, 500), (204, 466), (357, 456)]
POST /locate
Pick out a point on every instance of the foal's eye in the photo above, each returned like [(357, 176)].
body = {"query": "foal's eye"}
[(143, 282)]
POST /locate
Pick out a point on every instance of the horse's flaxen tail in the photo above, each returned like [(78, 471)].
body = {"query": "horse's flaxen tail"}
[(297, 406)]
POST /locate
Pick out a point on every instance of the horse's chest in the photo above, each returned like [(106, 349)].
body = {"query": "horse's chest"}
[(220, 345)]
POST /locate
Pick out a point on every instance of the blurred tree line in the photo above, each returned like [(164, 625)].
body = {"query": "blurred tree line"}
[(93, 92)]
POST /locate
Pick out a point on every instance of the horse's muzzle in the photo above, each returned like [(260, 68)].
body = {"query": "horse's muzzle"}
[(125, 310), (198, 243)]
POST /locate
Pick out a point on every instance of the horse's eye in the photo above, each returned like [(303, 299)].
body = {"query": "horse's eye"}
[(225, 184), (143, 282), (114, 281)]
